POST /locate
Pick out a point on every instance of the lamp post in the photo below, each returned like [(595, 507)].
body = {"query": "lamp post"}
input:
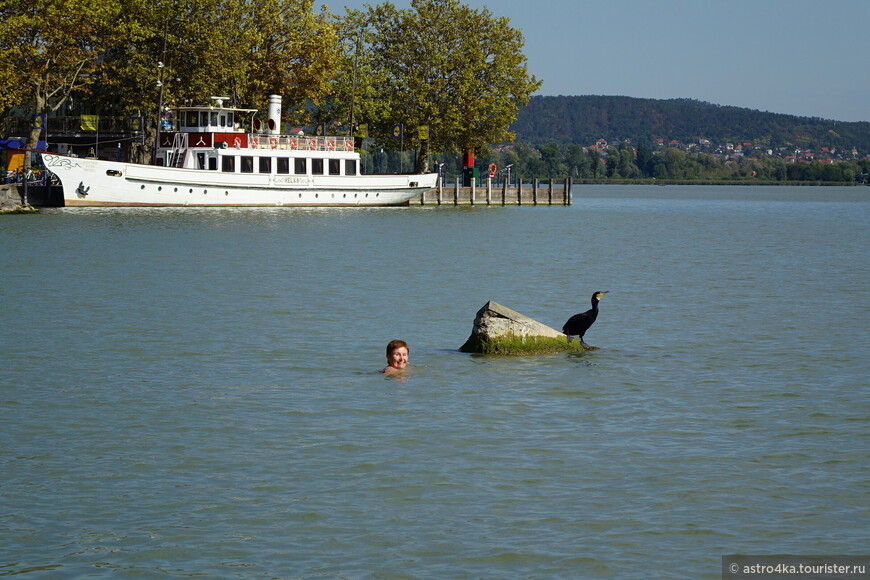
[(160, 67), (353, 86), (159, 110)]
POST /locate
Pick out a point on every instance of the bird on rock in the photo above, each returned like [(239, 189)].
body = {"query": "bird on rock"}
[(578, 324)]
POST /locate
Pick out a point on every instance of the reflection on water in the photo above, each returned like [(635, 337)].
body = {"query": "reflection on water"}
[(196, 391)]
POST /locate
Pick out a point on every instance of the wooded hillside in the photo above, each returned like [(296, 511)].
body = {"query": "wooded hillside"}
[(585, 119)]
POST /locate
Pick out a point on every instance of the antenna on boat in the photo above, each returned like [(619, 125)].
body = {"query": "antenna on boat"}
[(219, 101)]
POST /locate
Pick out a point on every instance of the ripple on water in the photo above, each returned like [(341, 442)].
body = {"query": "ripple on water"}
[(211, 404)]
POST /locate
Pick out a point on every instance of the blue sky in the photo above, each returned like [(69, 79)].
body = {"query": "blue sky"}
[(801, 57)]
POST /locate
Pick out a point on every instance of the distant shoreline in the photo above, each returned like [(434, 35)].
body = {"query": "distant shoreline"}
[(710, 182)]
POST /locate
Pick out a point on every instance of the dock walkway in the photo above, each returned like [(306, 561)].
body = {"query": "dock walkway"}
[(534, 193)]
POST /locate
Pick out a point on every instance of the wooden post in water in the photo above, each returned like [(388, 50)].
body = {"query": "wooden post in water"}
[(568, 183), (456, 193), (440, 189), (535, 191), (550, 193), (504, 185), (519, 190), (473, 184), (489, 191)]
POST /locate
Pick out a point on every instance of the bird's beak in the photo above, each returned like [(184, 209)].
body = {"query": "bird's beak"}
[(602, 293)]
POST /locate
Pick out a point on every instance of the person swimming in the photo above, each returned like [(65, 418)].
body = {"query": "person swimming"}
[(397, 356)]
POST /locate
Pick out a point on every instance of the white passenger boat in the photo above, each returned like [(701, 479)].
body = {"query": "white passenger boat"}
[(208, 160)]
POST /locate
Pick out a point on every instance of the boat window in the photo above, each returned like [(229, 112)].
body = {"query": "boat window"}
[(335, 166), (300, 167), (317, 167), (265, 165), (213, 119), (229, 119), (203, 118), (283, 165), (192, 118), (350, 166), (212, 163), (200, 160), (229, 164), (247, 164)]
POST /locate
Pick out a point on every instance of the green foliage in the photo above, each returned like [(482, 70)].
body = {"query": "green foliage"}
[(572, 125), (52, 48), (243, 50), (520, 345), (584, 119), (107, 52), (459, 71), (618, 164), (20, 209)]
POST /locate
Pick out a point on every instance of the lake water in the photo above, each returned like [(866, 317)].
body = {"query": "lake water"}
[(194, 392)]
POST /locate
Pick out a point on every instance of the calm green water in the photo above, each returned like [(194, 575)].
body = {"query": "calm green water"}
[(194, 392)]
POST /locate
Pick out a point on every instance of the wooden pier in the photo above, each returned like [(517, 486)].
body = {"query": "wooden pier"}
[(552, 192)]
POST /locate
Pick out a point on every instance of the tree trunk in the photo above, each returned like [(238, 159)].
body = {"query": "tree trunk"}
[(423, 157), (40, 107), (140, 152)]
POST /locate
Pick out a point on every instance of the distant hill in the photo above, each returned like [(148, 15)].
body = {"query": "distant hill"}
[(585, 119)]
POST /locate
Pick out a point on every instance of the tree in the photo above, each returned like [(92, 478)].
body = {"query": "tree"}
[(675, 163), (441, 64), (292, 50), (263, 47), (611, 163), (54, 48), (594, 156), (576, 161), (552, 160), (627, 168)]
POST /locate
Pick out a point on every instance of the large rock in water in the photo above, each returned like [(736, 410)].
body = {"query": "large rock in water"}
[(500, 330)]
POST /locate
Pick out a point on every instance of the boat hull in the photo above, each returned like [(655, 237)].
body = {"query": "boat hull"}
[(94, 182)]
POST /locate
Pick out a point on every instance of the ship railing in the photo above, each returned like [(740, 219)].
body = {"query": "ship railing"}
[(300, 143)]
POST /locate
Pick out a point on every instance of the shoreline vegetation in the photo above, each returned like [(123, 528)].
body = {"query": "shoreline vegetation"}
[(765, 183)]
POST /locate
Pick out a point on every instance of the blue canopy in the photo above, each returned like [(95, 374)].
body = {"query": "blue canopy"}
[(21, 144)]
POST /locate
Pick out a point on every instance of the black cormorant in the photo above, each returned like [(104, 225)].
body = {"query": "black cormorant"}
[(578, 324)]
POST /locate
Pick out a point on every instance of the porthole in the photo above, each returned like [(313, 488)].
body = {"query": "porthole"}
[(316, 195), (142, 187), (226, 193), (191, 191), (204, 191), (175, 189)]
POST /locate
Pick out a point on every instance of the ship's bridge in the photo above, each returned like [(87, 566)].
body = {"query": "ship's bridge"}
[(212, 119)]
